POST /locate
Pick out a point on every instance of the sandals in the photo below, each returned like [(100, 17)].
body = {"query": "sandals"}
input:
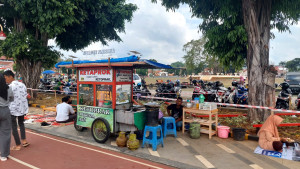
[(25, 144), (15, 148)]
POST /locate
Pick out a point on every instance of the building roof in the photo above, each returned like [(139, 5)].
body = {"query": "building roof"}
[(6, 64), (6, 58)]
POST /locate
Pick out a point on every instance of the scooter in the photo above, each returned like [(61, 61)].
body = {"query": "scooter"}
[(240, 94), (284, 96), (141, 90), (177, 88)]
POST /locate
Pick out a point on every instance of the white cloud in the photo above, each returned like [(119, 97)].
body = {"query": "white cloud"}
[(160, 35), (285, 46), (154, 32)]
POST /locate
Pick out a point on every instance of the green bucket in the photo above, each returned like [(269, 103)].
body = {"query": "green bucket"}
[(194, 130)]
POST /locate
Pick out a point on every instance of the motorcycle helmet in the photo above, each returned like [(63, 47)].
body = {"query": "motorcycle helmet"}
[(234, 83), (139, 85), (285, 85)]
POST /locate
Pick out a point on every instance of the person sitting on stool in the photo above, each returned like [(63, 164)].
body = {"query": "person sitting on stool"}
[(176, 112), (65, 112)]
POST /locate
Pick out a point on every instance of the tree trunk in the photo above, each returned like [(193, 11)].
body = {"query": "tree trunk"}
[(261, 77), (30, 72)]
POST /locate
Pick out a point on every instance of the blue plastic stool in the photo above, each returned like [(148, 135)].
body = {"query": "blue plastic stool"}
[(166, 129), (153, 139)]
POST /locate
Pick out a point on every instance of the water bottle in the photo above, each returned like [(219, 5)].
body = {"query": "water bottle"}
[(284, 153)]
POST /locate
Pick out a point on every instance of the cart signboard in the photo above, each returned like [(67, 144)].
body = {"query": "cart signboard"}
[(95, 75), (124, 75), (87, 114)]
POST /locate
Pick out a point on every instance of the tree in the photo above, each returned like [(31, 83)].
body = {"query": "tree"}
[(179, 65), (73, 24), (255, 19), (282, 63), (195, 58), (293, 65)]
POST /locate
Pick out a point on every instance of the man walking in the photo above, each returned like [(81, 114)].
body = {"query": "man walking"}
[(18, 109)]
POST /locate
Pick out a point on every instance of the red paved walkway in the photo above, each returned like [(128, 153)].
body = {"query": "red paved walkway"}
[(51, 152)]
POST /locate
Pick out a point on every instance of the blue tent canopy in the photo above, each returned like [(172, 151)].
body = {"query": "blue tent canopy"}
[(134, 59), (156, 64), (48, 72)]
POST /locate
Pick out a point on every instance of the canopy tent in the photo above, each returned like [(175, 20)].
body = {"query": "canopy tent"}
[(132, 61), (48, 72)]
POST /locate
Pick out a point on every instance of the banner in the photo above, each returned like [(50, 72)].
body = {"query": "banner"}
[(96, 75), (124, 75), (87, 114)]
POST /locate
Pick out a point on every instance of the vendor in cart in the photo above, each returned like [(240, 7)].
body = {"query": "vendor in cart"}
[(175, 110), (65, 112)]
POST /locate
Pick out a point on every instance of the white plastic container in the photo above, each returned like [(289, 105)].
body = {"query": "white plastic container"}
[(209, 106), (189, 105)]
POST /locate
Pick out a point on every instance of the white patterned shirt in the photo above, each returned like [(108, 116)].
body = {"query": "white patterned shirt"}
[(19, 106)]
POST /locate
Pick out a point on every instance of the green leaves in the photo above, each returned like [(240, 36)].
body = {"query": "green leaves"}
[(21, 46), (100, 21), (293, 65), (195, 58), (223, 25)]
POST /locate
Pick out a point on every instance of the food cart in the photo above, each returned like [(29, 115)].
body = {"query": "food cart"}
[(105, 97)]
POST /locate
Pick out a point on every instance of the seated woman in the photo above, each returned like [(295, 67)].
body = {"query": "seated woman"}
[(268, 134)]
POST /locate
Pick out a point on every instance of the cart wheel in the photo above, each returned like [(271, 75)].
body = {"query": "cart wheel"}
[(100, 130), (78, 128)]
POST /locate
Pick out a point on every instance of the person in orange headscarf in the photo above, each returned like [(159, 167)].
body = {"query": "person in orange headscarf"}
[(268, 134)]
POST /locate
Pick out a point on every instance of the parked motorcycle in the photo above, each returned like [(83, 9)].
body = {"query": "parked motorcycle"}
[(166, 90), (240, 93), (141, 90), (212, 91), (177, 88), (284, 96)]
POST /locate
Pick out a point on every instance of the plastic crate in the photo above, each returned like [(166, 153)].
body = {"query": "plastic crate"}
[(209, 106)]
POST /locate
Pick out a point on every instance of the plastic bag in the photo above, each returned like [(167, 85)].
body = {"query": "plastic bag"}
[(160, 114)]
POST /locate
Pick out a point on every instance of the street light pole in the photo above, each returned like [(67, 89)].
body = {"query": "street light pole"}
[(2, 34)]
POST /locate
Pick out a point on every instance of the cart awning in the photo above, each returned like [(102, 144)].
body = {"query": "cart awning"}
[(131, 61), (157, 65)]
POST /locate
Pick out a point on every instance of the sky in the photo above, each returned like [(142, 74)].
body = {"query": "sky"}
[(160, 34)]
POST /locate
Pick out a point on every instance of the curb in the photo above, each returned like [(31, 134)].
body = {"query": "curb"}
[(37, 105), (247, 136)]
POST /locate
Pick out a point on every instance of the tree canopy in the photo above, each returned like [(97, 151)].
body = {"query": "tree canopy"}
[(73, 24), (239, 30), (180, 68), (195, 57), (224, 28), (293, 65)]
